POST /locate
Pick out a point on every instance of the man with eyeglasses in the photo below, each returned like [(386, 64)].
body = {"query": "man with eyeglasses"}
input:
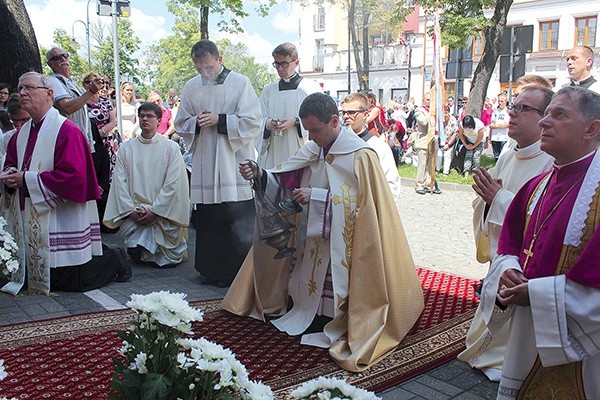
[(49, 191), (282, 133), (545, 275), (352, 280), (219, 119), (149, 195), (69, 99), (355, 108), (496, 190)]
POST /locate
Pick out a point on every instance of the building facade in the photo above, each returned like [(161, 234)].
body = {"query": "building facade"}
[(403, 66)]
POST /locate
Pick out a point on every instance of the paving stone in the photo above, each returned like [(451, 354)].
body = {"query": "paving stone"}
[(450, 371), (439, 385), (397, 394), (425, 391), (471, 396), (469, 379)]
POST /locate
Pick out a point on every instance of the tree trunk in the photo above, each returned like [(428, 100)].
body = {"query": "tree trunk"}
[(355, 43), (491, 52), (364, 77), (204, 22), (19, 47)]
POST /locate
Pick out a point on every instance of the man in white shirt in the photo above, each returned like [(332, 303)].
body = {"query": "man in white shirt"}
[(579, 66)]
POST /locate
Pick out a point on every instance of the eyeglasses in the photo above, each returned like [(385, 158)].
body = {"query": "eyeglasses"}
[(351, 113), (282, 64), (147, 116), (19, 120), (524, 107), (29, 88), (59, 56)]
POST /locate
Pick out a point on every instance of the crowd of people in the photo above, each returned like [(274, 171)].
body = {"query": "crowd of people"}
[(69, 174)]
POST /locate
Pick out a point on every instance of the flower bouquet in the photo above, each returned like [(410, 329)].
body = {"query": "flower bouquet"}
[(331, 389), (162, 363), (8, 250)]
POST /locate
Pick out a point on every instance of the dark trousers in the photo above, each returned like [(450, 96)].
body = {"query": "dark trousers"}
[(94, 274), (223, 238)]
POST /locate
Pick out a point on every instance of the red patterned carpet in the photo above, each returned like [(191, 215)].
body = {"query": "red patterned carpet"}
[(70, 358)]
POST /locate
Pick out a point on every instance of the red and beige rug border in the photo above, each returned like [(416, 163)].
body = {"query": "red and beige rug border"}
[(417, 354)]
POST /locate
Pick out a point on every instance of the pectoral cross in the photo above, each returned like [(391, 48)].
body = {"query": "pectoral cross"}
[(529, 252)]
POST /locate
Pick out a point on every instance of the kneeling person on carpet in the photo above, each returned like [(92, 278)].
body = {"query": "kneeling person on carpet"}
[(149, 196), (343, 269), (49, 192)]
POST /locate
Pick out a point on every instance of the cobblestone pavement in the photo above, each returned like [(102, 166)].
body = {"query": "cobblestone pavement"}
[(439, 232)]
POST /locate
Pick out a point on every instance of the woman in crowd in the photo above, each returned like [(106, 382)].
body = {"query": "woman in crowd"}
[(129, 106), (166, 127), (4, 95), (103, 114)]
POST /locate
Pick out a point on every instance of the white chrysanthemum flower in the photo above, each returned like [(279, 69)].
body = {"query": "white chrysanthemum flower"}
[(3, 373), (12, 266), (125, 348), (139, 363), (322, 386), (4, 254), (257, 391)]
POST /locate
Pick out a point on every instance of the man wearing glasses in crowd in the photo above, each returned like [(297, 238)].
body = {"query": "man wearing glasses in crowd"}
[(496, 190), (69, 98), (282, 135)]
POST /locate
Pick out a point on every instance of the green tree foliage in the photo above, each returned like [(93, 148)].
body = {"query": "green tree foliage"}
[(62, 39), (129, 44), (229, 12), (461, 20), (168, 63)]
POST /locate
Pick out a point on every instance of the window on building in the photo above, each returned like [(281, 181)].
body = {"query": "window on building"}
[(586, 31), (549, 35), (478, 44), (319, 58), (319, 19)]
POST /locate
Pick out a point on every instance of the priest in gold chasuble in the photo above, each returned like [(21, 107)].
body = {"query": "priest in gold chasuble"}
[(352, 262)]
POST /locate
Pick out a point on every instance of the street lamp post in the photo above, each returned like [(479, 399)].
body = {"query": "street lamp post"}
[(87, 35)]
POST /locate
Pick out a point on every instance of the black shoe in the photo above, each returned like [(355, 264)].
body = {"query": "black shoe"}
[(221, 284), (436, 191), (125, 272), (421, 191)]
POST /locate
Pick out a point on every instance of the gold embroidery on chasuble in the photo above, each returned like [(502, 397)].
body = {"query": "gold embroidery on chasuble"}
[(329, 158), (560, 382), (349, 219), (316, 262), (36, 262)]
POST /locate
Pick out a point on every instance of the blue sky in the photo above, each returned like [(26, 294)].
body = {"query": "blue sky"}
[(151, 21)]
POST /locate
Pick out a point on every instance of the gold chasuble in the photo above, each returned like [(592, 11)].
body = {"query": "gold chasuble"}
[(349, 235)]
